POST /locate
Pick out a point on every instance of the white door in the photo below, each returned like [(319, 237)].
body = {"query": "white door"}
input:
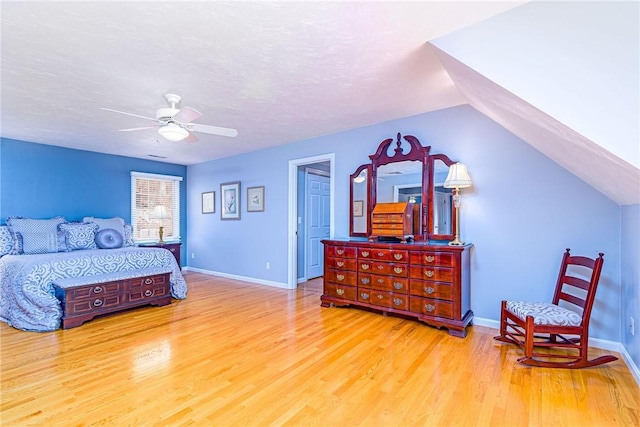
[(318, 222)]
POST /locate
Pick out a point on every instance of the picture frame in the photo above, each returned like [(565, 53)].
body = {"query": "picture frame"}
[(209, 202), (230, 200), (358, 208), (255, 199)]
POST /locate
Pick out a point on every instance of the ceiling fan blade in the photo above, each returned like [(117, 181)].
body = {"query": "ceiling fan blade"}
[(187, 115), (132, 129), (129, 114), (213, 130), (191, 138)]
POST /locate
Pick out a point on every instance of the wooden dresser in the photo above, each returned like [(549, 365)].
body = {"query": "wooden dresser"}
[(423, 280)]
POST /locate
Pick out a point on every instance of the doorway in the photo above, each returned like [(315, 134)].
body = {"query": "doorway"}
[(297, 200)]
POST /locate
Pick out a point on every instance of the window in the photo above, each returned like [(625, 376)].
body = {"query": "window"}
[(155, 203)]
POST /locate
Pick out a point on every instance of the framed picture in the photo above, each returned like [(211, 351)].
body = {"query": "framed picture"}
[(230, 200), (358, 207), (209, 202), (255, 199)]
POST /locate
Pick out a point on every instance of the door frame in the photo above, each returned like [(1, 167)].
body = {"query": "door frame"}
[(292, 247)]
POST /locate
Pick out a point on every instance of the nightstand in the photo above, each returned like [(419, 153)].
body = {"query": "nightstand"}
[(174, 247)]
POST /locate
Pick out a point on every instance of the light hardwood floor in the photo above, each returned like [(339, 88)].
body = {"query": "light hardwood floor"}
[(239, 354)]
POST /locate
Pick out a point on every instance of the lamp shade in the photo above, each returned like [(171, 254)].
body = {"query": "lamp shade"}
[(173, 132), (458, 177), (160, 212)]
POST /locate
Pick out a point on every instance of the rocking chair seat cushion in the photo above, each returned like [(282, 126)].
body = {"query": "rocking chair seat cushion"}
[(544, 313)]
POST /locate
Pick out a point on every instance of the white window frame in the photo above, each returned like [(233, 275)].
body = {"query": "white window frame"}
[(175, 211)]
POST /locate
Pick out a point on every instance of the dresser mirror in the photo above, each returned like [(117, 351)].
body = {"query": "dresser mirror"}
[(402, 170), (359, 224)]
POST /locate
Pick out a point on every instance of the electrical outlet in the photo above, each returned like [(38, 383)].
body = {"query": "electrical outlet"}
[(632, 326), (268, 265), (193, 255)]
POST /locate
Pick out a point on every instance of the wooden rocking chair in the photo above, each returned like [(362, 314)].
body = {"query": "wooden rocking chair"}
[(533, 325)]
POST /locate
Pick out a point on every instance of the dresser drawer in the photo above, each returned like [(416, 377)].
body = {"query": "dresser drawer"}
[(93, 291), (440, 274), (139, 293), (383, 268), (94, 304), (342, 264), (341, 277), (444, 259), (159, 279), (388, 230), (383, 299), (431, 307), (341, 251), (384, 283), (424, 288), (384, 255), (340, 291), (387, 218)]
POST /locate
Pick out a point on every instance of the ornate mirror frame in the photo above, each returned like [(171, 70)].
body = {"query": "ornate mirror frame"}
[(364, 214), (415, 152)]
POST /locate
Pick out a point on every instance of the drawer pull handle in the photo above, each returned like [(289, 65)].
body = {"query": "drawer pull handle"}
[(429, 258), (397, 256), (148, 281), (97, 303), (365, 253), (398, 270), (148, 293), (429, 273), (340, 277), (380, 281), (364, 295), (364, 281), (172, 249), (340, 264), (340, 251), (397, 285), (340, 291), (380, 296), (429, 289), (380, 254), (365, 266), (380, 267), (429, 307), (97, 289), (397, 301)]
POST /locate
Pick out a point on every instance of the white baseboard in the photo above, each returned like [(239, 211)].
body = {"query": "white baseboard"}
[(233, 276), (593, 342)]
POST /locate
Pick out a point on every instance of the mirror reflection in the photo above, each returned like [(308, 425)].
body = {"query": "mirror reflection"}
[(360, 201), (400, 182), (442, 200)]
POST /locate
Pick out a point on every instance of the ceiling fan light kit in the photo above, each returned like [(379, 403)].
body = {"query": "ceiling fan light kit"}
[(175, 124), (173, 132)]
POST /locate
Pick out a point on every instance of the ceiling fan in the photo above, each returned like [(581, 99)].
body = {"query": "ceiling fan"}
[(176, 124)]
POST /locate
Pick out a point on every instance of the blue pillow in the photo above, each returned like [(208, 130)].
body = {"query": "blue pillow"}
[(80, 235), (28, 225), (109, 239)]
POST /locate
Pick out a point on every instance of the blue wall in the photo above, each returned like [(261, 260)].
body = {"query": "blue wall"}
[(521, 214), (41, 181), (631, 279)]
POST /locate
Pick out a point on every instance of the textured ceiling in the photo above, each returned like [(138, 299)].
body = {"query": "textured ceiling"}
[(278, 72)]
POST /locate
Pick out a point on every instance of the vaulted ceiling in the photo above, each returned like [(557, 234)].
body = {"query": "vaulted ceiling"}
[(278, 72)]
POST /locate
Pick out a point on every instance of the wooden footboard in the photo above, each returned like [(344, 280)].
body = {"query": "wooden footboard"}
[(83, 298)]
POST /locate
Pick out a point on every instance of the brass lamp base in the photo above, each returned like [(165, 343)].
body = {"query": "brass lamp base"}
[(161, 234), (456, 242)]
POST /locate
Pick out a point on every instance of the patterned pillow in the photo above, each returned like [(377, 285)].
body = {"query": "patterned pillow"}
[(128, 235), (80, 235), (6, 240), (109, 239), (38, 243), (27, 225), (115, 223)]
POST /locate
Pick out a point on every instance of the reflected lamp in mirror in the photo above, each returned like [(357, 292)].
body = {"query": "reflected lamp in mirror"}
[(361, 177), (160, 212), (457, 178)]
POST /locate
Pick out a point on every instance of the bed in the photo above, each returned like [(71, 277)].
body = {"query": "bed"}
[(27, 296)]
